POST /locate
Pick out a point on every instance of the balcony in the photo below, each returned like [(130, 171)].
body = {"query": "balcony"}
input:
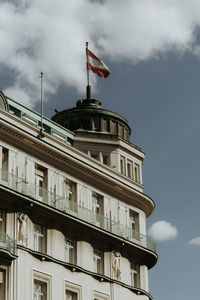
[(35, 192), (8, 247)]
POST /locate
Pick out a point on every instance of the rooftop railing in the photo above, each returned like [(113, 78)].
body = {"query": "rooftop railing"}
[(72, 208)]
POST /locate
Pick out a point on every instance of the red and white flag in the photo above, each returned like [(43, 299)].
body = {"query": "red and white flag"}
[(95, 65)]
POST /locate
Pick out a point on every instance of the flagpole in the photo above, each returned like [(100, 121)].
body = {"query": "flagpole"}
[(41, 102), (88, 87)]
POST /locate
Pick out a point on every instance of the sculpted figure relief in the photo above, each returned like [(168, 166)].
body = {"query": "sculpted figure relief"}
[(68, 193), (22, 219), (116, 265)]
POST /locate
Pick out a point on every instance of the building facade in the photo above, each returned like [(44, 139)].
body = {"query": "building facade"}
[(72, 207)]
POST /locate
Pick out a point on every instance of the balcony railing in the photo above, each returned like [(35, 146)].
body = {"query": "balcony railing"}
[(71, 207), (6, 243)]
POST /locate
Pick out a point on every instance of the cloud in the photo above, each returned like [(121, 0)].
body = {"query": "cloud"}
[(50, 36), (195, 241), (163, 231)]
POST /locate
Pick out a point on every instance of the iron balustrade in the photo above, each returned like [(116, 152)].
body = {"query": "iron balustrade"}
[(61, 203)]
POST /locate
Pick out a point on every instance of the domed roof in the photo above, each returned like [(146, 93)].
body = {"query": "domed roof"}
[(89, 117)]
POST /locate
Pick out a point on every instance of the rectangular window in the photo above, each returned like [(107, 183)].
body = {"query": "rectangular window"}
[(70, 251), (72, 291), (2, 284), (122, 165), (134, 224), (71, 295), (40, 238), (137, 173), (100, 296), (40, 290), (105, 158), (41, 286), (94, 155), (41, 183), (135, 275), (97, 207), (130, 169), (98, 261), (69, 202), (2, 222), (4, 174)]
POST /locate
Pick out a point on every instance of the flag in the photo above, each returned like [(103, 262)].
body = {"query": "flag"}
[(95, 65)]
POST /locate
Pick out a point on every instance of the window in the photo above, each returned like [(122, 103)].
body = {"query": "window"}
[(41, 182), (134, 223), (135, 275), (122, 165), (100, 296), (120, 130), (94, 155), (70, 251), (137, 173), (41, 286), (2, 222), (105, 125), (40, 238), (72, 291), (97, 206), (71, 295), (105, 159), (69, 202), (4, 164), (97, 124), (98, 261), (40, 290), (2, 284), (130, 169)]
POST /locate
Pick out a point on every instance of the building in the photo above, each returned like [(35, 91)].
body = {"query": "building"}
[(72, 207)]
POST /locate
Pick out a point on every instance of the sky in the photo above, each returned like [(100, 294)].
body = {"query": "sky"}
[(153, 50)]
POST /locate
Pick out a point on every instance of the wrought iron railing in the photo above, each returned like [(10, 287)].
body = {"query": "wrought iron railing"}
[(7, 243), (71, 207)]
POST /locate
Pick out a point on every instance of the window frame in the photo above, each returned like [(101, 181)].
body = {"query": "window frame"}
[(44, 279), (129, 168), (5, 274), (70, 250), (40, 234), (97, 295), (74, 288), (98, 259), (123, 165), (41, 182), (4, 163), (135, 274), (137, 173), (3, 219)]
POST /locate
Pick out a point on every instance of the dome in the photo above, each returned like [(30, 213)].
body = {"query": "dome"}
[(88, 117)]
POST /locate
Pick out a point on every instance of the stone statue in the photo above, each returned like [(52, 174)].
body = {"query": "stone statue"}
[(116, 265), (22, 219), (68, 193)]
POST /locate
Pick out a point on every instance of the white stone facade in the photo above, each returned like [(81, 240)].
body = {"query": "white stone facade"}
[(71, 228)]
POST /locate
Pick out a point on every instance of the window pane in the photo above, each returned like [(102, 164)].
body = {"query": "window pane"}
[(2, 284), (70, 251), (4, 163), (40, 290), (39, 238), (71, 295), (98, 261)]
